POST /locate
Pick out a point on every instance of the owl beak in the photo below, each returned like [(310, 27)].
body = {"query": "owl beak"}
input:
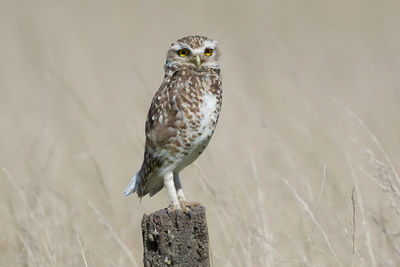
[(197, 61)]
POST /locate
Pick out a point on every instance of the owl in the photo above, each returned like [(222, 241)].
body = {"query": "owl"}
[(182, 118)]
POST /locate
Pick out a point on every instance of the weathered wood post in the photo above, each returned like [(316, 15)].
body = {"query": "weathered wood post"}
[(175, 239)]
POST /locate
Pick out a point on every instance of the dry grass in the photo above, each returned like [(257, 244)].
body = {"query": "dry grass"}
[(302, 170)]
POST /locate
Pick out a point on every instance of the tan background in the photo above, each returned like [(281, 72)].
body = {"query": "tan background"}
[(310, 111)]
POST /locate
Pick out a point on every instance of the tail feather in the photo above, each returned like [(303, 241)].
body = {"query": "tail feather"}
[(133, 185)]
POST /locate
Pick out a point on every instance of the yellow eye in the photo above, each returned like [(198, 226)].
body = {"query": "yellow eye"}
[(183, 52), (208, 52)]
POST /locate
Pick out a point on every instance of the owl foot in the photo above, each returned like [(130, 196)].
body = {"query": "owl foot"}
[(189, 203), (184, 207), (173, 208)]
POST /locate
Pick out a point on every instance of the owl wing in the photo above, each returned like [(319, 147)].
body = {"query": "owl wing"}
[(162, 120), (162, 126)]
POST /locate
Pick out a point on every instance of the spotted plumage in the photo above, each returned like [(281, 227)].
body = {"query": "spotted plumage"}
[(182, 117)]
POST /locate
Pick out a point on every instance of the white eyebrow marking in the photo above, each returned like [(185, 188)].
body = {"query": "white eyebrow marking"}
[(207, 44), (179, 45), (210, 44)]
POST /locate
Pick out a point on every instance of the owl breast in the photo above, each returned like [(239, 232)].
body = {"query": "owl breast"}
[(199, 130), (183, 117)]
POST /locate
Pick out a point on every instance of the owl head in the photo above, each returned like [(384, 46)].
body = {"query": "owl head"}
[(194, 52)]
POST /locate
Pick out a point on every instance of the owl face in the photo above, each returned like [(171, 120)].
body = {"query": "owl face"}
[(194, 52)]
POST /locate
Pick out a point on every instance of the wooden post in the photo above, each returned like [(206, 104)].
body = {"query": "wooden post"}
[(175, 239)]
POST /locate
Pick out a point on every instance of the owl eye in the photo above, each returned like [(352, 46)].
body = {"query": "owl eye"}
[(208, 52), (183, 52)]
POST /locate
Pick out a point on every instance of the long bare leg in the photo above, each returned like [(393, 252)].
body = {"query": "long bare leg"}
[(179, 192), (181, 197), (178, 187), (172, 196)]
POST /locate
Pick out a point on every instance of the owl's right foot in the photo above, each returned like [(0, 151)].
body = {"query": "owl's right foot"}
[(174, 207), (184, 207), (189, 203), (180, 207)]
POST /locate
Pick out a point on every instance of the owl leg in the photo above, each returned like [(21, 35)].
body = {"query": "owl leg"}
[(172, 196), (181, 197), (179, 192), (178, 187)]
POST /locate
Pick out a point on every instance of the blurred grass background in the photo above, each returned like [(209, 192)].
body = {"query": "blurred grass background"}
[(302, 170)]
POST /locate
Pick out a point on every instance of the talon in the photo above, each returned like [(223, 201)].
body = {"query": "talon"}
[(185, 208), (189, 203), (173, 208), (186, 211)]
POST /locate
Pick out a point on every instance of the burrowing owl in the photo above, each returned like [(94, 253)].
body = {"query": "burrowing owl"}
[(182, 117)]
